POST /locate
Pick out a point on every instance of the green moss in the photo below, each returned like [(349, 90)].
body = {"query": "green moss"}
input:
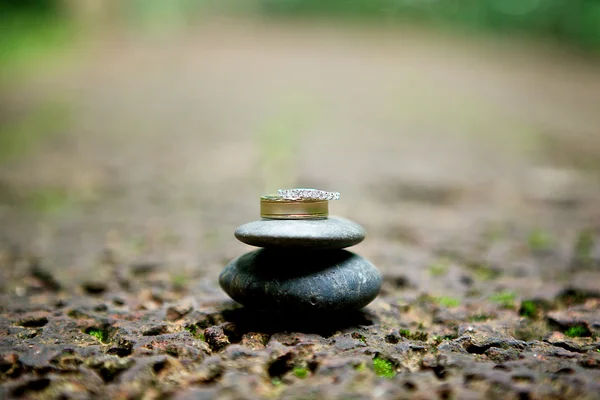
[(439, 268), (276, 382), (405, 333), (301, 372), (100, 334), (191, 329), (198, 334), (479, 317), (528, 309), (539, 240), (577, 331), (506, 299), (483, 271), (437, 339), (448, 301), (362, 367), (425, 298), (383, 368), (76, 314), (359, 336), (172, 351), (178, 281)]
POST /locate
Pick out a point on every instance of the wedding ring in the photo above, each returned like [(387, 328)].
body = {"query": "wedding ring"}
[(307, 194), (276, 207)]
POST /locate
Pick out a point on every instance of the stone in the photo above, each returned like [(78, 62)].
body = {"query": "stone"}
[(319, 234), (301, 281)]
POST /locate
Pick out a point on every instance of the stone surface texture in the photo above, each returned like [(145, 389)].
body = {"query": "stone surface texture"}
[(473, 166), (300, 281), (321, 234)]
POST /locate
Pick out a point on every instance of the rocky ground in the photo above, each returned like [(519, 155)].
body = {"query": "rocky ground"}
[(472, 163)]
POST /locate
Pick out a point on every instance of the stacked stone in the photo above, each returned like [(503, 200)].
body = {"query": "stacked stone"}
[(301, 267)]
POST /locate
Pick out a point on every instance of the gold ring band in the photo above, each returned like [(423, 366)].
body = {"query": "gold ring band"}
[(275, 207)]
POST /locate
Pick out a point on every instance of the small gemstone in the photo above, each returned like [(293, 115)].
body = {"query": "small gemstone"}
[(309, 194)]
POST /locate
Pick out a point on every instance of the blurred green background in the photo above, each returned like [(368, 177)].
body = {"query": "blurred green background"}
[(158, 118), (576, 22), (34, 27)]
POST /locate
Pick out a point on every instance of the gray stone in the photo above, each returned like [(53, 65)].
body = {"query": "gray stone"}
[(317, 234), (301, 281)]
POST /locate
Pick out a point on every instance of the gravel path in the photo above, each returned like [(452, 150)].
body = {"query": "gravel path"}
[(472, 164)]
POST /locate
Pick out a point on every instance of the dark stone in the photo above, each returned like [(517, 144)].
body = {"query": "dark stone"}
[(344, 343), (216, 338), (479, 338), (94, 288), (323, 234), (143, 268), (175, 313), (299, 281), (154, 330), (45, 277), (34, 321)]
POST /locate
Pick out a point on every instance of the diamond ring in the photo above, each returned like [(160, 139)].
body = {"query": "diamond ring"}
[(307, 194)]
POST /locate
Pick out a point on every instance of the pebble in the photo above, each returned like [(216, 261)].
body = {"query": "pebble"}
[(322, 234), (300, 281)]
